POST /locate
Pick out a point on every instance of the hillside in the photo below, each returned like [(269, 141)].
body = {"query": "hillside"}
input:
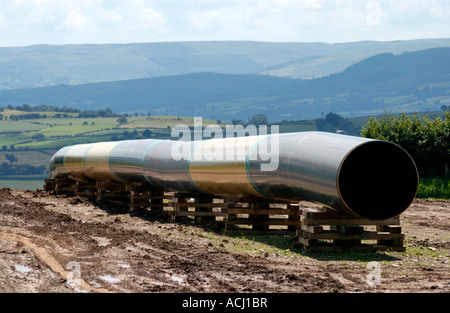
[(414, 81), (47, 65), (389, 72), (202, 94)]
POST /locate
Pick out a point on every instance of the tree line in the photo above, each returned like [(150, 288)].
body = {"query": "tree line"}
[(38, 112)]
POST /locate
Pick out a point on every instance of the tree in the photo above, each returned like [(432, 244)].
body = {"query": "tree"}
[(237, 122), (259, 119), (122, 120), (334, 122), (147, 133), (11, 158)]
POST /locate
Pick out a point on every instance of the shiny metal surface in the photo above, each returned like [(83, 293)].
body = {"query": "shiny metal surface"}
[(57, 167), (126, 159), (161, 169), (219, 166), (363, 177), (74, 160), (308, 167), (96, 161)]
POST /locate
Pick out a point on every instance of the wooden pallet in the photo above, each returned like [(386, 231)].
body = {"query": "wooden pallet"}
[(260, 216), (49, 185), (328, 230), (59, 186), (108, 190), (199, 207), (154, 200), (84, 189)]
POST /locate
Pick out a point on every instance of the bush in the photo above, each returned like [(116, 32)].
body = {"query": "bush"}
[(38, 136), (426, 140)]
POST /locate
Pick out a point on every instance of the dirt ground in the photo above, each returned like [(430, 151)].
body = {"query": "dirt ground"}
[(59, 244)]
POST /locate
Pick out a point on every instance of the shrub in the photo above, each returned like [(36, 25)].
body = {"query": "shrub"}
[(426, 140)]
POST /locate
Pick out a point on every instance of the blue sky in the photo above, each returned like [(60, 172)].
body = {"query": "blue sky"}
[(27, 22)]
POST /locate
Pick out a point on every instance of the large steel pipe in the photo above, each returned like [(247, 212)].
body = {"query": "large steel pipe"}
[(363, 177)]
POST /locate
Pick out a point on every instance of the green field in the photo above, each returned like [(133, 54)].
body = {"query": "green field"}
[(58, 132), (29, 182)]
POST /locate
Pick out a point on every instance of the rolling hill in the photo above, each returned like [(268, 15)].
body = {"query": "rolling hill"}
[(48, 65), (410, 81)]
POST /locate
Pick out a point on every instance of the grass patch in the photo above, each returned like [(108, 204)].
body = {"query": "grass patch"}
[(31, 182), (434, 188)]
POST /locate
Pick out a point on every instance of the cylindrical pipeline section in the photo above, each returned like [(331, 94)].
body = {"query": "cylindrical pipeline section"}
[(366, 178), (363, 177)]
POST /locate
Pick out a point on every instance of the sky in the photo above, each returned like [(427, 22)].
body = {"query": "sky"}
[(29, 22)]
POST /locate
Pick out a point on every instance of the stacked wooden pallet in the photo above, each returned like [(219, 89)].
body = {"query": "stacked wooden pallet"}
[(261, 216), (59, 186), (329, 230), (108, 190), (155, 200), (199, 207)]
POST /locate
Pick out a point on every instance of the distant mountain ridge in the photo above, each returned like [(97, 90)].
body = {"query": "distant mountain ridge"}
[(48, 65), (412, 81), (387, 71)]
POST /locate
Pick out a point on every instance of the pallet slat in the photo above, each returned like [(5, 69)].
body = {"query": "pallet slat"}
[(262, 222), (351, 222), (367, 235)]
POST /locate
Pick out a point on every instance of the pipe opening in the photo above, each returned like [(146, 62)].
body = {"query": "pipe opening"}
[(378, 180)]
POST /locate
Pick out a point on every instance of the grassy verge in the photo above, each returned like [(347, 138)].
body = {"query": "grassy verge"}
[(434, 188), (31, 183)]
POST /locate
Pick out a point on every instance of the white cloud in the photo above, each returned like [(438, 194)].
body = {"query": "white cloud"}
[(150, 19), (304, 4), (60, 21), (75, 19), (111, 16)]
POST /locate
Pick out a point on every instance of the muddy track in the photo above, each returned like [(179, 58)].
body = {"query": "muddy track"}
[(57, 244)]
